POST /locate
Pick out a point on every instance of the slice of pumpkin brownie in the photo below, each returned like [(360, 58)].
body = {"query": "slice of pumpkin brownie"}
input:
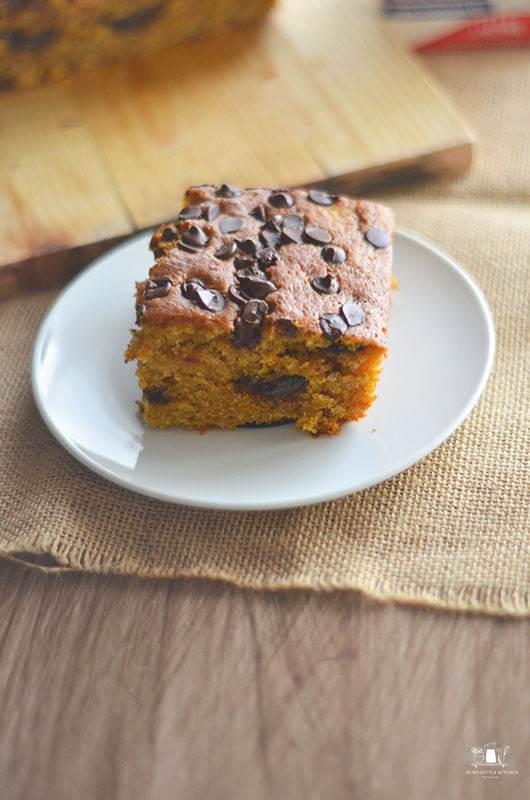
[(264, 305)]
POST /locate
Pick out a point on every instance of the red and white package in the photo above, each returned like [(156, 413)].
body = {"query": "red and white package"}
[(453, 24)]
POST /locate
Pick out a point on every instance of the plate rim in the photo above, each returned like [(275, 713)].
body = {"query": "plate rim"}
[(129, 483)]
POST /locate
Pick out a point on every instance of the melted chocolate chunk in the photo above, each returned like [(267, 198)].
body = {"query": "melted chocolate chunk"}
[(259, 213), (283, 386), (18, 39), (211, 299), (332, 326), (136, 20), (248, 246), (321, 197), (194, 240), (377, 237), (353, 314), (156, 396), (281, 199), (267, 257), (333, 254), (227, 190), (190, 288), (226, 251), (285, 327), (211, 212), (256, 286), (326, 285), (254, 311), (140, 309), (246, 334), (190, 212), (317, 235), (237, 296), (231, 224), (169, 234), (157, 287)]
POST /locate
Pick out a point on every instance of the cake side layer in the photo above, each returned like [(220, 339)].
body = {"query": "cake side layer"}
[(191, 375)]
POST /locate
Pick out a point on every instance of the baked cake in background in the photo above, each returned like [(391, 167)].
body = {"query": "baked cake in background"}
[(51, 39)]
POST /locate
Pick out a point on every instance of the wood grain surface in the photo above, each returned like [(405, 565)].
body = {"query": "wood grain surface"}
[(122, 689), (309, 95)]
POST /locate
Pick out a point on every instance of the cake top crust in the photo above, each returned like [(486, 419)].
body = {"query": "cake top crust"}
[(294, 259)]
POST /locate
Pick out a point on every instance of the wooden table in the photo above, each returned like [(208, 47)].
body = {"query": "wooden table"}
[(117, 688)]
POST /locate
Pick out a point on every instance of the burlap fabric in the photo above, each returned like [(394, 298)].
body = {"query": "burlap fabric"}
[(452, 531)]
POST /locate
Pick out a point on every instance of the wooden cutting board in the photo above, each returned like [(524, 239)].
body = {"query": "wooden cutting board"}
[(316, 93)]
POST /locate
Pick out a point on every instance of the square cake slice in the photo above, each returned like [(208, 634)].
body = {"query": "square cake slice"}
[(262, 306)]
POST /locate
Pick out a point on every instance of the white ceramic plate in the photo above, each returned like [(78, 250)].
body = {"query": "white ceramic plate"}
[(441, 344)]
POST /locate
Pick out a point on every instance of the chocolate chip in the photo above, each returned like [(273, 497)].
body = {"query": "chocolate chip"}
[(292, 221), (290, 235), (157, 287), (283, 386), (325, 285), (190, 212), (190, 288), (211, 212), (377, 237), (353, 314), (227, 190), (321, 197), (237, 296), (247, 246), (254, 311), (244, 263), (281, 199), (333, 254), (156, 396), (267, 257), (259, 213), (250, 272), (246, 334), (257, 287), (226, 251), (332, 326), (169, 235), (317, 235), (140, 309), (274, 225), (231, 224), (193, 240), (285, 327), (210, 299), (270, 237)]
